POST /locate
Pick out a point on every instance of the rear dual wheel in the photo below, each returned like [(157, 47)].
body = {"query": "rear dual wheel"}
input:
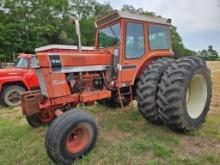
[(147, 89), (185, 94), (71, 136)]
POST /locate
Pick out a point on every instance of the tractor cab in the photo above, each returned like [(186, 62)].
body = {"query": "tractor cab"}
[(134, 40)]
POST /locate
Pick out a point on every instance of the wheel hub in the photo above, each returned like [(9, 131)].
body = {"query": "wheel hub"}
[(196, 96), (77, 139), (14, 97)]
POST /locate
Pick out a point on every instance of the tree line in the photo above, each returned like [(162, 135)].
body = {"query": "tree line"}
[(28, 24)]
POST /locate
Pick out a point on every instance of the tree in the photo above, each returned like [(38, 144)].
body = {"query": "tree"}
[(213, 54), (86, 9), (209, 54), (132, 9), (27, 24)]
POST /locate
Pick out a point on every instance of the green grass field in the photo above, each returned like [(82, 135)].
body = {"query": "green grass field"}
[(125, 138)]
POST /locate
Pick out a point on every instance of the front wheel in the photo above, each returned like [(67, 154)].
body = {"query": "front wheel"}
[(35, 121), (71, 136), (11, 95)]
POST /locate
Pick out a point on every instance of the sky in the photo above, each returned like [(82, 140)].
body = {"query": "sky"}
[(197, 21)]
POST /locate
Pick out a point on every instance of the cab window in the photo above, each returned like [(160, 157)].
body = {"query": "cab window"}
[(158, 37), (134, 40), (22, 63), (109, 36)]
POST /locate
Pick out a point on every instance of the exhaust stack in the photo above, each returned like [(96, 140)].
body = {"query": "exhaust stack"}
[(77, 26)]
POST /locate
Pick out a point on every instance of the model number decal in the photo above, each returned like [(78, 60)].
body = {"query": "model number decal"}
[(55, 61), (58, 82)]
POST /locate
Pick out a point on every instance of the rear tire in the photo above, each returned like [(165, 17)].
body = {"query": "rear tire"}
[(71, 136), (185, 94), (147, 90), (11, 95)]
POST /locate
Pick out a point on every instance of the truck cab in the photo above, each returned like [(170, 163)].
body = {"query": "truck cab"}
[(14, 81)]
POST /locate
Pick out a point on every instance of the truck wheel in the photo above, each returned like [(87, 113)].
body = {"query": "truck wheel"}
[(35, 122), (11, 95), (71, 136), (147, 90), (185, 93)]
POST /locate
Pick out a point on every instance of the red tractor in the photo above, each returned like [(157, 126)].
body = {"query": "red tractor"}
[(14, 81), (133, 60)]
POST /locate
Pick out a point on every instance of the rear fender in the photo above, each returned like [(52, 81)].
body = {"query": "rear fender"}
[(146, 61)]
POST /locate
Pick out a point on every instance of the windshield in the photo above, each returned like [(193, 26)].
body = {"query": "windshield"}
[(22, 63), (109, 36)]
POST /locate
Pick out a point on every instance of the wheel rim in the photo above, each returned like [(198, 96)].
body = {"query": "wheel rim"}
[(13, 97), (196, 96), (78, 139)]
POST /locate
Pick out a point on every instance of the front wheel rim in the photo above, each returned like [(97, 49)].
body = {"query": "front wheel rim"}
[(196, 96), (78, 139)]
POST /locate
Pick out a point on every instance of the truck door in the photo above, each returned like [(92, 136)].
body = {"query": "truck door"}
[(134, 50)]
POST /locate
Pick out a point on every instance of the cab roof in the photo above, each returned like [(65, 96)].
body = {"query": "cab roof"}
[(123, 14)]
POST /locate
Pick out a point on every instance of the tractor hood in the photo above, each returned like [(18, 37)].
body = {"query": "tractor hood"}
[(12, 72), (78, 59)]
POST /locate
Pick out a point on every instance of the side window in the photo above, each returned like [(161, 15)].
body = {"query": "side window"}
[(34, 61), (134, 40), (159, 37)]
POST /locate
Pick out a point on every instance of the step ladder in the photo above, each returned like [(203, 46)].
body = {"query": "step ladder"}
[(120, 95)]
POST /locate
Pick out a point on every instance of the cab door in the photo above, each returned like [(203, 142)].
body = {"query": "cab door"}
[(134, 50)]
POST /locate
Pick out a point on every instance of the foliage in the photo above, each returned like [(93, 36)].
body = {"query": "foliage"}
[(27, 24), (131, 9)]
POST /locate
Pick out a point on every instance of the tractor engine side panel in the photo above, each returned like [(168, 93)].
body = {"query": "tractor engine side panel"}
[(53, 85)]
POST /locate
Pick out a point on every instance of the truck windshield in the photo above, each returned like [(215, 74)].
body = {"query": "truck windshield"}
[(22, 63), (109, 36)]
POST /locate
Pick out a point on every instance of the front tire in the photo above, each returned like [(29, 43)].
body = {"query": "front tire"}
[(185, 94), (35, 121), (71, 136), (11, 95)]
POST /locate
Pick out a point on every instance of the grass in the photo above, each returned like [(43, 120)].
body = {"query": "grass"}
[(125, 138)]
